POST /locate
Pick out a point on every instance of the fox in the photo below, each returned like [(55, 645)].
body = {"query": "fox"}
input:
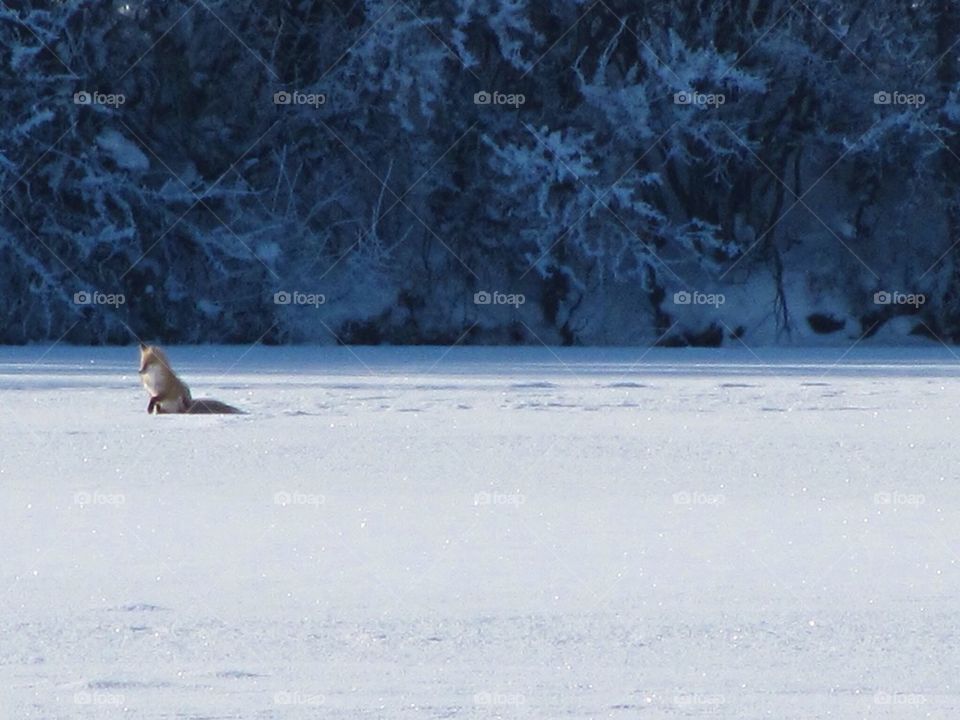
[(168, 393)]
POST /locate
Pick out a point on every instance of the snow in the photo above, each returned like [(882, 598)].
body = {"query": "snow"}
[(122, 151), (477, 533)]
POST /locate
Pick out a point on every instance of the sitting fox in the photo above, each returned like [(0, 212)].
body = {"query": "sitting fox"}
[(168, 393)]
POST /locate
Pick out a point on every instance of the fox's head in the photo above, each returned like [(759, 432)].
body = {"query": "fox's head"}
[(151, 354), (144, 357)]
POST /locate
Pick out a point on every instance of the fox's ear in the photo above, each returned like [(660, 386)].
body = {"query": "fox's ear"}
[(143, 346)]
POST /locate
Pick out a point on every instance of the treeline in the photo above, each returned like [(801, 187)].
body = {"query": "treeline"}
[(479, 171)]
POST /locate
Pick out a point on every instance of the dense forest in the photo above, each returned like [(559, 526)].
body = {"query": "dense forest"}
[(480, 171)]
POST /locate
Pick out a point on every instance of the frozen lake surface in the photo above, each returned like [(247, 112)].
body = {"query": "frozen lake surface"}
[(477, 533)]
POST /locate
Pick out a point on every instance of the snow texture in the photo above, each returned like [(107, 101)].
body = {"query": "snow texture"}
[(477, 533), (123, 152)]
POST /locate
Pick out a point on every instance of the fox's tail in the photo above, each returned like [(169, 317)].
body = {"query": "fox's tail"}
[(206, 406)]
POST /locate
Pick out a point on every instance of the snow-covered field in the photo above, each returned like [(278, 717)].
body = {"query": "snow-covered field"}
[(416, 533)]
